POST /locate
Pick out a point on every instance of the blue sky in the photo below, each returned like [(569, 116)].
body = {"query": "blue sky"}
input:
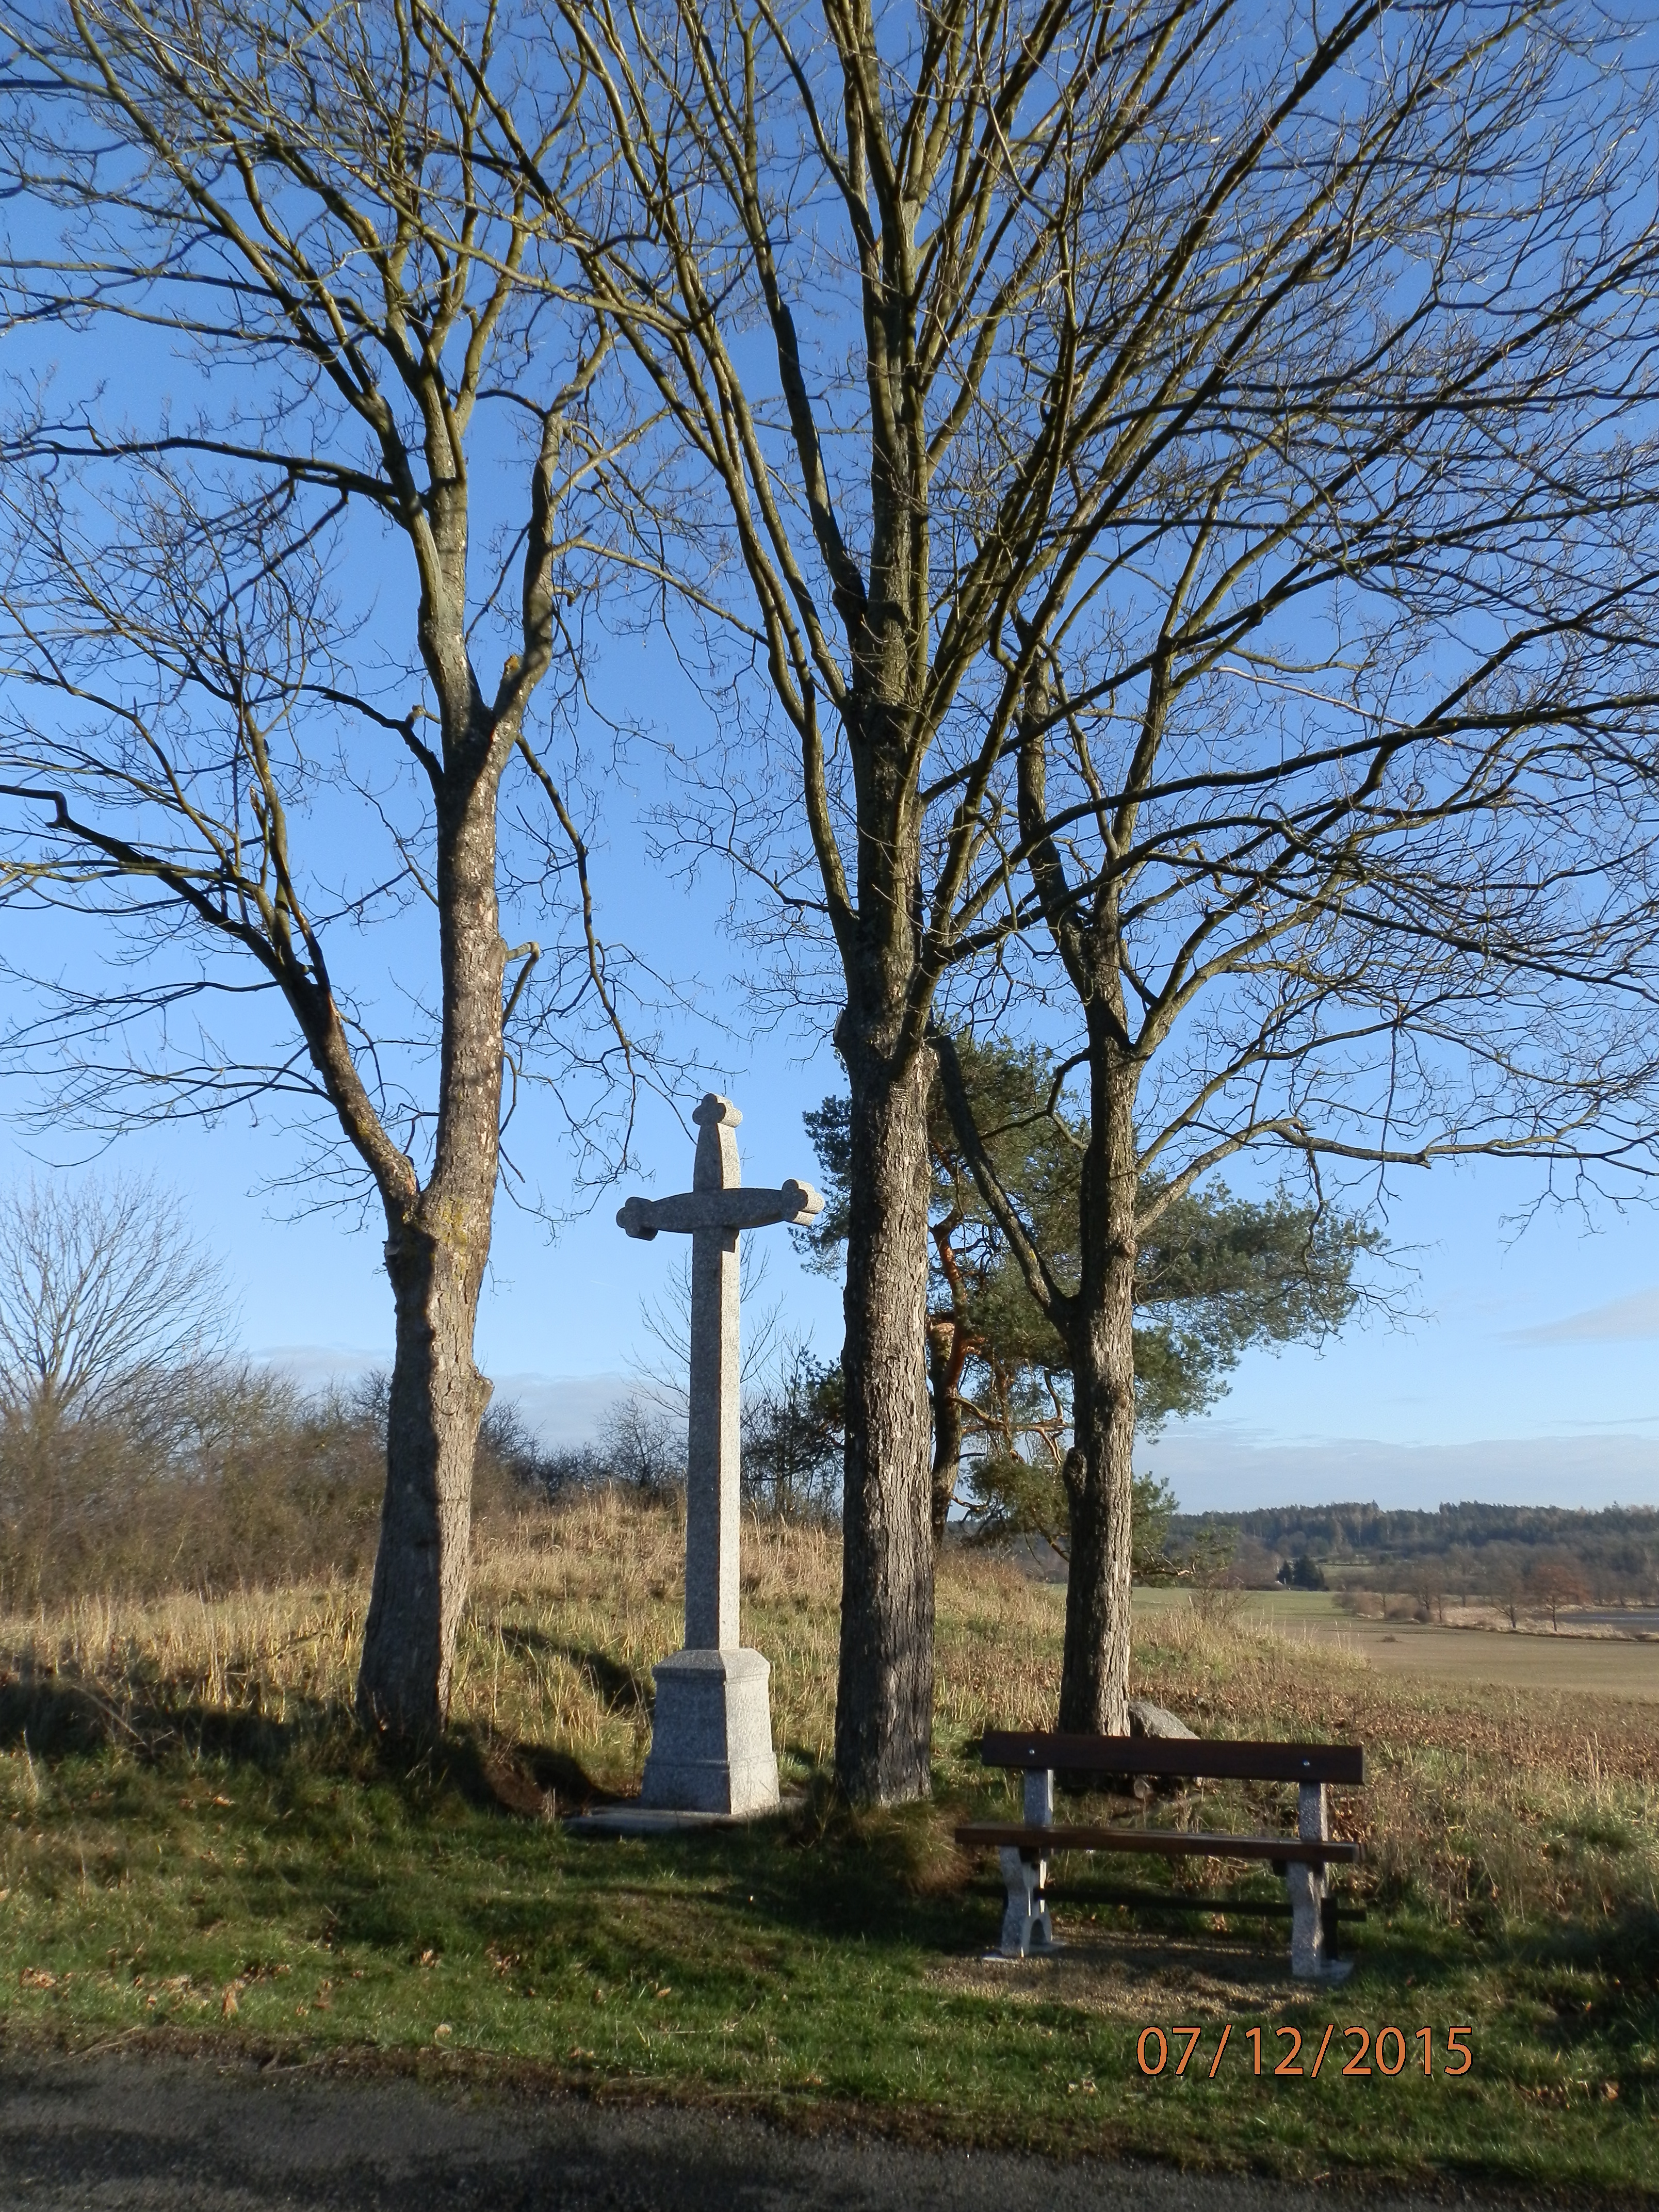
[(1528, 1374), (1529, 1370)]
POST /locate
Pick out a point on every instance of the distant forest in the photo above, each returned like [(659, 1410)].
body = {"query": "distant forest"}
[(1461, 1551)]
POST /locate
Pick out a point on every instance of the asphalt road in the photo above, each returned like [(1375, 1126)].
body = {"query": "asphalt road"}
[(126, 2134)]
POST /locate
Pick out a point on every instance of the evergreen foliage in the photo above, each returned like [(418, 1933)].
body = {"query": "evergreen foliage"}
[(1218, 1275)]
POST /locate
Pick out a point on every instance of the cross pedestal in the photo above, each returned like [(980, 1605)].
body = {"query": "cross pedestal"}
[(711, 1741)]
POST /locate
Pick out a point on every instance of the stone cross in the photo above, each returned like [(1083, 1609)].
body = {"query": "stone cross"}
[(711, 1748)]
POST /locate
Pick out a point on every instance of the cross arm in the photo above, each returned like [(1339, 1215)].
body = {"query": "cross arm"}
[(743, 1208)]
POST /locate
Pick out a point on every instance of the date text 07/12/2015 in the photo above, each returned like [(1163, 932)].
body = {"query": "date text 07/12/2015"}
[(1359, 2052)]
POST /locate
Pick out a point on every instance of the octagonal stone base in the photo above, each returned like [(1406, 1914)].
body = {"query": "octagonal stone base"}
[(711, 1742)]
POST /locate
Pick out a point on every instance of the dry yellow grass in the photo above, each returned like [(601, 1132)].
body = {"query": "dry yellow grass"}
[(194, 1836), (571, 1611), (1480, 1800)]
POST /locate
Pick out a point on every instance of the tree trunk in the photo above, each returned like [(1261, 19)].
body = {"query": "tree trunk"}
[(1094, 1687), (420, 1567), (435, 1253), (885, 1695), (947, 1351)]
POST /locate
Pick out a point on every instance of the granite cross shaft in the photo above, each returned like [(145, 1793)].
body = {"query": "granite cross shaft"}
[(711, 1744)]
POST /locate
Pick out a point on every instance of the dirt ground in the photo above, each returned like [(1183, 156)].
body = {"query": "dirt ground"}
[(1603, 1664)]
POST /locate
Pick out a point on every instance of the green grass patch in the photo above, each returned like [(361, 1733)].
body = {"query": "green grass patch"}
[(235, 1862)]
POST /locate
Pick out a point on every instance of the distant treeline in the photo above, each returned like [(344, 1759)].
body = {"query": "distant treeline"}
[(1487, 1550)]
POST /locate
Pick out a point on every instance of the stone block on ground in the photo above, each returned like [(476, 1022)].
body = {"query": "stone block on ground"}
[(711, 1737), (1147, 1719)]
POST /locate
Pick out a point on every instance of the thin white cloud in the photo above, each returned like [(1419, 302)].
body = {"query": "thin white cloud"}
[(565, 1410), (314, 1366), (1622, 1321), (1212, 1468), (562, 1410)]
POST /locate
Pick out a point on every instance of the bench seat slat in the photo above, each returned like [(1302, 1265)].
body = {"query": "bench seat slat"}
[(1164, 1843), (1180, 1757)]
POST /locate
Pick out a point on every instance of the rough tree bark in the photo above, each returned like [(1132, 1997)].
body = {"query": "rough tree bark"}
[(1099, 1331), (947, 1359), (884, 1696), (437, 1244), (340, 190)]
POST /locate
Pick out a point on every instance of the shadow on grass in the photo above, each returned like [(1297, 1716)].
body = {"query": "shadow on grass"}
[(57, 1717), (726, 1905), (1601, 1980), (622, 1689), (1624, 1945), (530, 1779)]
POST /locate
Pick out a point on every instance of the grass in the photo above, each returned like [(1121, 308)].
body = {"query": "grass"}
[(1471, 1652), (195, 1844)]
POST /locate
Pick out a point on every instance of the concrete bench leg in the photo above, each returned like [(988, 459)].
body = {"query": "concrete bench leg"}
[(1026, 1926), (1307, 1887), (1310, 1959)]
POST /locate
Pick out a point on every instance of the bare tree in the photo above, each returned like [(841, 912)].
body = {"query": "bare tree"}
[(792, 1437), (662, 1365), (1334, 767), (988, 329), (1554, 1580), (101, 1285), (641, 1444), (236, 733)]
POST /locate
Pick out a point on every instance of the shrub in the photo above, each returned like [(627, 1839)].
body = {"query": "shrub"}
[(225, 1477)]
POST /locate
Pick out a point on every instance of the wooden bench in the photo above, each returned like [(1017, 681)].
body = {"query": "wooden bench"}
[(1303, 1859)]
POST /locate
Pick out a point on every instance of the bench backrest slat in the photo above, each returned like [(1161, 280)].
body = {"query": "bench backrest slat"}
[(1181, 1756)]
